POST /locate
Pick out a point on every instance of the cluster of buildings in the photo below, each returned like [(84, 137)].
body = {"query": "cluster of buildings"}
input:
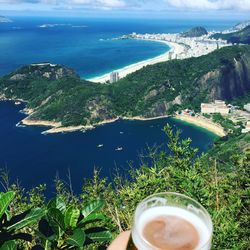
[(233, 113), (217, 106), (192, 46)]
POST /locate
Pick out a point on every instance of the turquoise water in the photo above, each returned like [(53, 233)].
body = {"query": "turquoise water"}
[(86, 45)]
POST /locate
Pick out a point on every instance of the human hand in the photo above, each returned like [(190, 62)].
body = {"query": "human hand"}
[(121, 242)]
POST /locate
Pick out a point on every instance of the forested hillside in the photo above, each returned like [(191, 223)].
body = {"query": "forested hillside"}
[(56, 93)]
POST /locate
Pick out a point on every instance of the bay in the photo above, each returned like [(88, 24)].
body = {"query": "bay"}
[(33, 158)]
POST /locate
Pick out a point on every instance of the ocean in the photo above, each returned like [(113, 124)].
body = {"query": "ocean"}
[(85, 45)]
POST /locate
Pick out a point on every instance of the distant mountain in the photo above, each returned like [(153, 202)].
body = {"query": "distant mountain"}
[(4, 19), (195, 32), (240, 26), (241, 36), (56, 93)]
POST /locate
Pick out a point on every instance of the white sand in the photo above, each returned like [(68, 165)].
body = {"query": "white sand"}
[(176, 49), (203, 122)]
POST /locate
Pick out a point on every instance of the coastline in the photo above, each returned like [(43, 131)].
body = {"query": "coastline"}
[(175, 48), (204, 123), (56, 127)]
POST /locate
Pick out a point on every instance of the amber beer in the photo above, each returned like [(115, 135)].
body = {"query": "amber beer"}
[(170, 221)]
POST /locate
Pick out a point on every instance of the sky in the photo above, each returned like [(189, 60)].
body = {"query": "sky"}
[(152, 8)]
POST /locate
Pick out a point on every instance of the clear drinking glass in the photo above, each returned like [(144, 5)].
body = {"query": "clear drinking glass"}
[(171, 204)]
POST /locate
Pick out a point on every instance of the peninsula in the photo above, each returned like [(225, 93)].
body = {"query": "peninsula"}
[(57, 97)]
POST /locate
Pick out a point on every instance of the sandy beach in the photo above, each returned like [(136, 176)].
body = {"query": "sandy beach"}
[(175, 48), (204, 123)]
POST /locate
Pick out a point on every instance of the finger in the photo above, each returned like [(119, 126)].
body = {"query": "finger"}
[(121, 242)]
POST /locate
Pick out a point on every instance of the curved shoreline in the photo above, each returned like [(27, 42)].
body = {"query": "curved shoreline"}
[(56, 127), (204, 123), (175, 48)]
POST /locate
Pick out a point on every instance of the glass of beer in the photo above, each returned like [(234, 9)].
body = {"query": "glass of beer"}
[(171, 221)]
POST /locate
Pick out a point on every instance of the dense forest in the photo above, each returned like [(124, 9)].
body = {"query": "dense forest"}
[(56, 93)]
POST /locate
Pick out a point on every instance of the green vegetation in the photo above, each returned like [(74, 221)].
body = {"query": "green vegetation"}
[(219, 180), (241, 101), (195, 32), (227, 124), (57, 93), (242, 36), (57, 226)]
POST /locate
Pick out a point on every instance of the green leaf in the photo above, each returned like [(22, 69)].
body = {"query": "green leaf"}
[(71, 217), (58, 203), (77, 239), (32, 217), (92, 207), (102, 236), (5, 200), (56, 218), (93, 217), (9, 245)]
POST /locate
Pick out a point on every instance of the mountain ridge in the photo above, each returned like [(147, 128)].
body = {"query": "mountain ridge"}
[(241, 36)]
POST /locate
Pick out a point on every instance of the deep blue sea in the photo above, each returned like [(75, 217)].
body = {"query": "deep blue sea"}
[(34, 158), (86, 46)]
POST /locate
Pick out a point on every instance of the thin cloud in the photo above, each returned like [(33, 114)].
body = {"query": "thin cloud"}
[(154, 5), (242, 5)]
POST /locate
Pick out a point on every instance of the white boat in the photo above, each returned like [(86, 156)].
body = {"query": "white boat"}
[(121, 133), (17, 103), (100, 146), (119, 149)]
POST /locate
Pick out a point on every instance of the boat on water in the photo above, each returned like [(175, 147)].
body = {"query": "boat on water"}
[(119, 149), (121, 133), (17, 103), (100, 145)]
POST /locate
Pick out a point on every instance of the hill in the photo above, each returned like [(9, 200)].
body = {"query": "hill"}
[(195, 32), (55, 93), (241, 36)]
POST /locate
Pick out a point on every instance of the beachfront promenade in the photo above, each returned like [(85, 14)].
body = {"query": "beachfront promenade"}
[(180, 48)]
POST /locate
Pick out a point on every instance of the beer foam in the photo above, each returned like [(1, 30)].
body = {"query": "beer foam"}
[(153, 213)]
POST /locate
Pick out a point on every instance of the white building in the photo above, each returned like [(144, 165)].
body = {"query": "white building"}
[(247, 107), (114, 77), (247, 128), (217, 107)]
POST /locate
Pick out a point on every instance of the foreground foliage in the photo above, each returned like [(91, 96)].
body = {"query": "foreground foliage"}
[(219, 180), (57, 226)]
